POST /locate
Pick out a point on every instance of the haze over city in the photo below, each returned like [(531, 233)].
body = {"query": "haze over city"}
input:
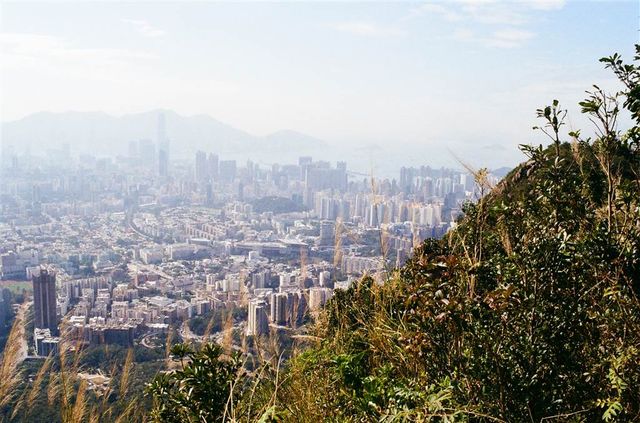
[(365, 78), (240, 212)]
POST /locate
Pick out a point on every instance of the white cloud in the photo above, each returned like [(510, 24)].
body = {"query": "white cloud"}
[(435, 9), (144, 28), (490, 12), (56, 55), (463, 34), (45, 72), (502, 38), (491, 23), (547, 4), (368, 29), (508, 38), (486, 12), (493, 13)]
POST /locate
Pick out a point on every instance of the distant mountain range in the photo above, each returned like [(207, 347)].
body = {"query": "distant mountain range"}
[(101, 133)]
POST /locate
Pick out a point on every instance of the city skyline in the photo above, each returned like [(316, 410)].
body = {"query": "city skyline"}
[(310, 211), (362, 75)]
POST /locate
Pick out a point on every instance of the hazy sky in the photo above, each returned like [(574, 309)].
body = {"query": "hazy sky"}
[(458, 74)]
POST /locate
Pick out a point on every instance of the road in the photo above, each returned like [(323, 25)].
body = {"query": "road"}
[(187, 334), (218, 337)]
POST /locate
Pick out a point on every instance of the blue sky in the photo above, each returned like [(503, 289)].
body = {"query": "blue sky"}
[(465, 75)]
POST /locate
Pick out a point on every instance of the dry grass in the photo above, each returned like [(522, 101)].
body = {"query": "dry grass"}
[(64, 389), (208, 329), (227, 337), (167, 352), (80, 406), (126, 371), (37, 383)]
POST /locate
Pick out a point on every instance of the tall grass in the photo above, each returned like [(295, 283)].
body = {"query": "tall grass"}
[(10, 374), (65, 390)]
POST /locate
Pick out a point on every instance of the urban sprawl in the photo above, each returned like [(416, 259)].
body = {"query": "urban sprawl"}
[(120, 250)]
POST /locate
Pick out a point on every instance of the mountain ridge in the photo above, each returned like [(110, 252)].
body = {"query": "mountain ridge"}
[(101, 132)]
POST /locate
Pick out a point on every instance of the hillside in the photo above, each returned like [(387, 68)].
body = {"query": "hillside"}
[(527, 311)]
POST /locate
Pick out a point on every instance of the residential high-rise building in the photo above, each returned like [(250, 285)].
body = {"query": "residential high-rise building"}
[(279, 308), (257, 321), (318, 297), (44, 301), (297, 307), (320, 177)]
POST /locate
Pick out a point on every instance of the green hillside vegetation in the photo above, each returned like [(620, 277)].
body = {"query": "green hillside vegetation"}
[(527, 312)]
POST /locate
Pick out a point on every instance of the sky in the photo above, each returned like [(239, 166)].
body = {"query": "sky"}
[(458, 76)]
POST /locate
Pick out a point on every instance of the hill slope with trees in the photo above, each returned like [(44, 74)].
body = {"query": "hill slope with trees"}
[(527, 311)]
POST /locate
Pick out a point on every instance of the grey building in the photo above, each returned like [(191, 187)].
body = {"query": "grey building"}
[(44, 301)]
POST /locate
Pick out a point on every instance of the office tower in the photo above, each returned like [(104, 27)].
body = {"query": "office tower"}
[(44, 301), (213, 166), (202, 171)]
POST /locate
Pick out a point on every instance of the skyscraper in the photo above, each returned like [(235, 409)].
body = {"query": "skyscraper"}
[(213, 166), (163, 163), (44, 301), (163, 147)]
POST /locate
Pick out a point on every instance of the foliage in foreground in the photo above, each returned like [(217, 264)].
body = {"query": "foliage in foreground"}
[(199, 390), (527, 311)]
